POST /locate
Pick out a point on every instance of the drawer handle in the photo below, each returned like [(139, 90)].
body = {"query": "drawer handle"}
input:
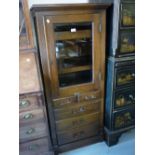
[(28, 116), (24, 103), (33, 147), (80, 110), (90, 97), (133, 74), (131, 97), (78, 122), (30, 131), (78, 134)]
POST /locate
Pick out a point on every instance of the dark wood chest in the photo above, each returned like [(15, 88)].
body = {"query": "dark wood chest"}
[(71, 41)]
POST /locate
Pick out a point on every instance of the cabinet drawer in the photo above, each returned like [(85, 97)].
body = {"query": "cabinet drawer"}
[(123, 118), (29, 102), (77, 110), (31, 132), (76, 122), (31, 117), (124, 97), (68, 101), (34, 147), (125, 76), (78, 133), (127, 41), (127, 14)]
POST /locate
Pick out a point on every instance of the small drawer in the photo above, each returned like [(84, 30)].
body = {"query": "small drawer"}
[(124, 97), (127, 41), (124, 118), (125, 76), (78, 133), (77, 110), (63, 102), (90, 96), (127, 14), (34, 147), (31, 117), (70, 123), (31, 132), (29, 102)]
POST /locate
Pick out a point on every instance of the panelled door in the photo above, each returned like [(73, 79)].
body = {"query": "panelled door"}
[(74, 52)]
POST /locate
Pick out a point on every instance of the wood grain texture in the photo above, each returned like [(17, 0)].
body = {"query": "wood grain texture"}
[(28, 74)]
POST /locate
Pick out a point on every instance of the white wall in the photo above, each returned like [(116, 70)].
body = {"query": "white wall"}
[(31, 2)]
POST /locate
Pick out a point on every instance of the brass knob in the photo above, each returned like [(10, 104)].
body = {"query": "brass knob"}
[(33, 147), (24, 103), (30, 131), (28, 116)]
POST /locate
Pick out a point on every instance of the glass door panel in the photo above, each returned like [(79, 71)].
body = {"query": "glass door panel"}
[(73, 46)]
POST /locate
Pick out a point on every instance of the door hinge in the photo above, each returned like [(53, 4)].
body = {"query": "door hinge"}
[(100, 27)]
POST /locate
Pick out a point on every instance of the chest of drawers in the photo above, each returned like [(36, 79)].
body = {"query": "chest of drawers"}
[(33, 128), (120, 97)]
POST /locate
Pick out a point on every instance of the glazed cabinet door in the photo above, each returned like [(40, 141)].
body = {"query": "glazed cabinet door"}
[(73, 53)]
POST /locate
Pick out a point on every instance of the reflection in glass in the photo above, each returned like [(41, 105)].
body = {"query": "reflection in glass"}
[(73, 46)]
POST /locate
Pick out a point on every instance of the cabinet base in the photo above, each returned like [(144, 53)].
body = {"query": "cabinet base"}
[(112, 137), (78, 144)]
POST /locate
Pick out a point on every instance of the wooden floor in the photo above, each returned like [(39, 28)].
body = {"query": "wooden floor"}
[(125, 146)]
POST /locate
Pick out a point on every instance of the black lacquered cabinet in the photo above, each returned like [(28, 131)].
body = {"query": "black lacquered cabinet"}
[(120, 97), (121, 40)]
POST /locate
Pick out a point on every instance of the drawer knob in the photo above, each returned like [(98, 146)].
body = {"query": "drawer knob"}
[(93, 97), (30, 131), (33, 147), (86, 98), (24, 103), (28, 116), (80, 110)]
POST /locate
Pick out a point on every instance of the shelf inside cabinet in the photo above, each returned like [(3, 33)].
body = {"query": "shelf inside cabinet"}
[(65, 35), (75, 69)]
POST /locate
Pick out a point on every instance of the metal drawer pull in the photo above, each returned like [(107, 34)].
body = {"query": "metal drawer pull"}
[(33, 147), (80, 110), (90, 97), (30, 131), (133, 74), (28, 116), (24, 103)]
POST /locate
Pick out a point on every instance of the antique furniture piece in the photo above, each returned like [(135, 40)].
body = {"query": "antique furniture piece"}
[(120, 49), (120, 97), (122, 28), (71, 41), (33, 129)]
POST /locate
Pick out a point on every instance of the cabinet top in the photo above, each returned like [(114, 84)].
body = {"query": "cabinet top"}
[(65, 7)]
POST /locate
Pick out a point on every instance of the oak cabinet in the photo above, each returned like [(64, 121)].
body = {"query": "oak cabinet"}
[(71, 41)]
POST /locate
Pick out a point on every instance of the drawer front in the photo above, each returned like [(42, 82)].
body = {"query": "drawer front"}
[(34, 147), (78, 133), (29, 102), (68, 101), (77, 122), (77, 110), (123, 118), (31, 117), (125, 76), (124, 97), (127, 15), (127, 42), (31, 132)]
